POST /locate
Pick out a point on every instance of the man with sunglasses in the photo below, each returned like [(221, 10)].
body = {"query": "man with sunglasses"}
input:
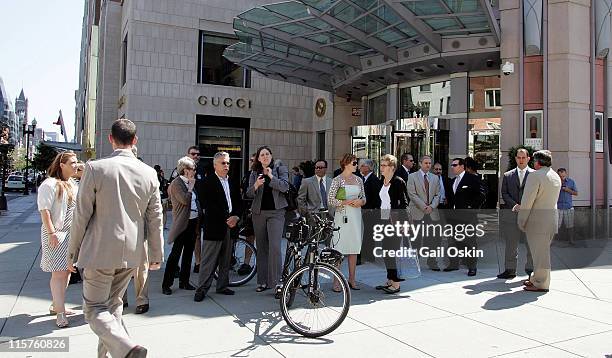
[(406, 168), (464, 196), (312, 194)]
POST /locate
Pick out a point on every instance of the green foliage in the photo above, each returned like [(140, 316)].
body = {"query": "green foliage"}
[(18, 158), (512, 154), (44, 157)]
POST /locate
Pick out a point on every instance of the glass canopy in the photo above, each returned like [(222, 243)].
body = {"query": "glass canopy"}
[(311, 41)]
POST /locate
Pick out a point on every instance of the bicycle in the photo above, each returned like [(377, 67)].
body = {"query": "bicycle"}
[(244, 256), (310, 302)]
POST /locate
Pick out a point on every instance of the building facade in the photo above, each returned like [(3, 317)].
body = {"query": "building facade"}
[(160, 64), (315, 79)]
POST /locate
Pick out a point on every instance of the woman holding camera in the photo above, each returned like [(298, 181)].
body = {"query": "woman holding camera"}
[(268, 182), (348, 196)]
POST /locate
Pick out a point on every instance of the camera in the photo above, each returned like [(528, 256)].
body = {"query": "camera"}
[(508, 68)]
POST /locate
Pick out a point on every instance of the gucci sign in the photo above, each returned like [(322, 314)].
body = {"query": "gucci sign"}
[(226, 102)]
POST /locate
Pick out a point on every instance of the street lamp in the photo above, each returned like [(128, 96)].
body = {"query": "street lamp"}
[(26, 132)]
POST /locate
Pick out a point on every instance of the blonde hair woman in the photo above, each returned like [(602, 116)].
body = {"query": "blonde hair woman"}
[(56, 202)]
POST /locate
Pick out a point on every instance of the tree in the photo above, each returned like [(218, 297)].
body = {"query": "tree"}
[(512, 154), (18, 158), (44, 157)]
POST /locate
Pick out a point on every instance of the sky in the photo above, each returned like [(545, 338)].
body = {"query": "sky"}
[(40, 44)]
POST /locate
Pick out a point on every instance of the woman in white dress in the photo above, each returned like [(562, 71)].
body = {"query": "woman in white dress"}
[(56, 201), (347, 195)]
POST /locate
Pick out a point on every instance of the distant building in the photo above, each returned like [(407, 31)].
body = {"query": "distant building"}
[(21, 113), (52, 136), (7, 115)]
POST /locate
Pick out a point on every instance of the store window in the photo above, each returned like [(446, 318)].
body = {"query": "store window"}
[(215, 69), (493, 98), (124, 49), (416, 101)]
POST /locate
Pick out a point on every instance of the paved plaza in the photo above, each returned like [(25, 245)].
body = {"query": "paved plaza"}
[(436, 315)]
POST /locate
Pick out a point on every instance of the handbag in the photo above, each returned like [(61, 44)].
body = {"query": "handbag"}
[(408, 266)]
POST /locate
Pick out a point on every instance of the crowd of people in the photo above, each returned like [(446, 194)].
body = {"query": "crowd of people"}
[(110, 222)]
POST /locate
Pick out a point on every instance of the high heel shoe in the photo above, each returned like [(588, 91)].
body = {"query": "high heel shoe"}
[(61, 321), (354, 287)]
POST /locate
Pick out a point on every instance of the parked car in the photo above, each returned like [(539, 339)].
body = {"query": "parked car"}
[(15, 182)]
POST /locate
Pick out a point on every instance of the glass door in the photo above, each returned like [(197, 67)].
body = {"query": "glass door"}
[(220, 139)]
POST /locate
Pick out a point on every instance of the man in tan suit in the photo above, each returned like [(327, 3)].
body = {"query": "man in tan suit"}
[(424, 193), (538, 218), (118, 197)]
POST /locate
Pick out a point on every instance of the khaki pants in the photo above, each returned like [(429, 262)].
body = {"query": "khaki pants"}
[(539, 244), (103, 307)]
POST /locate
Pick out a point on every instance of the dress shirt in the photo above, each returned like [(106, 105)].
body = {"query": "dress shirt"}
[(225, 184), (457, 181)]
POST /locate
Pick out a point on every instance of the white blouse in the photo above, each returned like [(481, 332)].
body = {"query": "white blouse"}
[(385, 202), (48, 200)]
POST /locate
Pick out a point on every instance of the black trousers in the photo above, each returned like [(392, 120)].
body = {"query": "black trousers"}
[(184, 244), (469, 244)]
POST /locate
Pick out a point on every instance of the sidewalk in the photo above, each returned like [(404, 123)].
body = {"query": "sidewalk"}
[(436, 315)]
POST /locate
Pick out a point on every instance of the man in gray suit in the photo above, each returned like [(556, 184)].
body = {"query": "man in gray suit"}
[(513, 184), (424, 194), (312, 194), (118, 198), (538, 218)]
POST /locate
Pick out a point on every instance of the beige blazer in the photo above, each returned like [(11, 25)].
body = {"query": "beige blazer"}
[(538, 214), (418, 197), (118, 197), (181, 208)]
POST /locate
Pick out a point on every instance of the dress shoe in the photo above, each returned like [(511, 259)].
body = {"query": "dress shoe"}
[(196, 268), (471, 272), (226, 291), (434, 269), (186, 286), (137, 352), (449, 269), (199, 296), (507, 275), (140, 309), (166, 290)]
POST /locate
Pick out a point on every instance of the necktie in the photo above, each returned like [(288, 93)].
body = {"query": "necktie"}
[(426, 187), (521, 177), (323, 194)]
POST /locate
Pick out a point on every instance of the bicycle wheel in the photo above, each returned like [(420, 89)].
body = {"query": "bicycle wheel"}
[(308, 302), (243, 265)]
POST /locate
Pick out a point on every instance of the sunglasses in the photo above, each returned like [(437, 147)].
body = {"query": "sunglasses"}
[(194, 153), (320, 167), (225, 163), (454, 165), (354, 163)]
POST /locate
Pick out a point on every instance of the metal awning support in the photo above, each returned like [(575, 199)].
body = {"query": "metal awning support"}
[(309, 45), (486, 5), (356, 34), (433, 39)]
